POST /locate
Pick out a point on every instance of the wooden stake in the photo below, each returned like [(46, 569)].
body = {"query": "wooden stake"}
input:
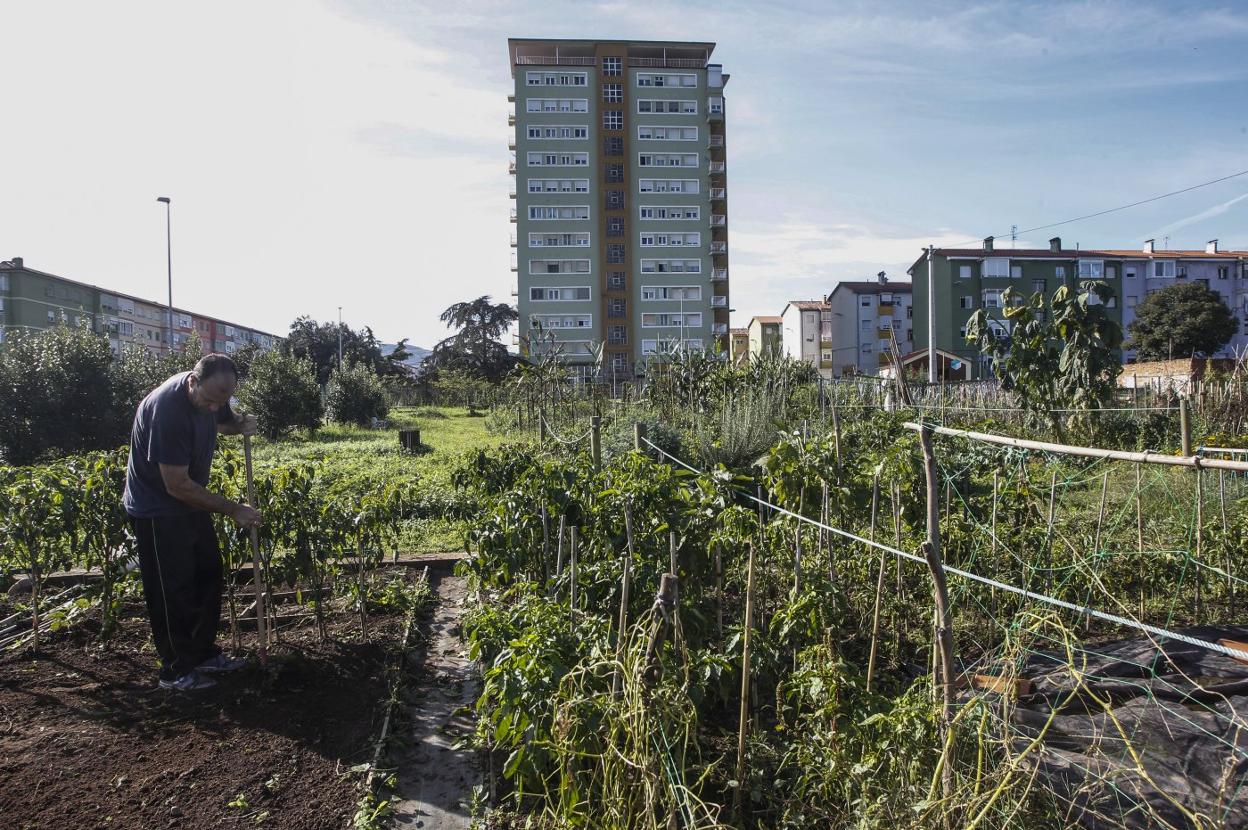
[(257, 580), (1048, 538), (559, 547), (1200, 523), (671, 544), (1226, 549), (621, 639), (1185, 427), (545, 546), (1096, 539), (944, 629), (719, 589), (595, 441), (1139, 532), (572, 565), (879, 583), (996, 490), (744, 718)]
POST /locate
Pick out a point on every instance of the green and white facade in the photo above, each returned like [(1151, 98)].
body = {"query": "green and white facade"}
[(621, 242)]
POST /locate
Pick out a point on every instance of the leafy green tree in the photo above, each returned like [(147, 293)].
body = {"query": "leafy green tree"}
[(318, 342), (1186, 319), (281, 391), (56, 394), (355, 396), (461, 386), (475, 348), (1060, 356)]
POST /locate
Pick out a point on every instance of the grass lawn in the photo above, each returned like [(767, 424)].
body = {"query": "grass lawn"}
[(358, 458)]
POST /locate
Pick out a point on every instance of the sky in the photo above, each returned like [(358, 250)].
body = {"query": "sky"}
[(353, 153)]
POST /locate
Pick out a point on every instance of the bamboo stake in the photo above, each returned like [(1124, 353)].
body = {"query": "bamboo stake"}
[(1048, 538), (1139, 532), (1096, 539), (996, 491), (572, 543), (719, 589), (545, 546), (1230, 580), (257, 582), (944, 632), (621, 638), (879, 583), (1200, 522), (563, 518), (797, 560), (743, 720), (671, 544)]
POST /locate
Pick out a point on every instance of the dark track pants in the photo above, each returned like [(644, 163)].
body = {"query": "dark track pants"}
[(180, 562)]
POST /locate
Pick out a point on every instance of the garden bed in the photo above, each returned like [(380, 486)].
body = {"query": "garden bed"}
[(88, 739)]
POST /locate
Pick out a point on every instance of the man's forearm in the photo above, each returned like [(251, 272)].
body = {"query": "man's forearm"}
[(197, 496)]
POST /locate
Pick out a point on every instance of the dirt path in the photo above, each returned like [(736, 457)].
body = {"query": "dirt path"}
[(435, 781)]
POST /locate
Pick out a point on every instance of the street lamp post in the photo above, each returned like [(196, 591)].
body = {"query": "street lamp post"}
[(169, 266)]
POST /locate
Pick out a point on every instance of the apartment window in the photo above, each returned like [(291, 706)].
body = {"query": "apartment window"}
[(667, 107), (667, 80), (617, 335), (557, 159), (866, 348), (667, 160), (4, 282), (1037, 286), (1111, 272), (613, 145), (865, 302), (613, 93), (1016, 272), (1223, 272), (691, 320), (964, 272), (614, 173), (674, 212), (556, 105), (994, 297), (51, 316), (1163, 268), (616, 280), (1129, 272), (996, 268), (1131, 300), (615, 226), (612, 120), (1091, 269), (555, 79), (671, 266), (617, 307), (562, 321), (559, 240), (615, 200), (611, 66), (569, 294), (558, 185), (615, 253), (1180, 272), (671, 292), (966, 302), (546, 212), (668, 185), (558, 132), (670, 240), (559, 266), (653, 133)]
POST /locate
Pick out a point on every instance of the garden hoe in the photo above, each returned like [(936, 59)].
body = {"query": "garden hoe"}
[(261, 617)]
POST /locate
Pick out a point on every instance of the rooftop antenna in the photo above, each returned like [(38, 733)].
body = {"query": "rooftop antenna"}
[(1165, 242), (1013, 235)]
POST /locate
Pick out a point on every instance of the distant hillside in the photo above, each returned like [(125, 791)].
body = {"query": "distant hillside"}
[(418, 354)]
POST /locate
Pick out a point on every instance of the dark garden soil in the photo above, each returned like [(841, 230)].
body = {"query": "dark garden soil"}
[(88, 740)]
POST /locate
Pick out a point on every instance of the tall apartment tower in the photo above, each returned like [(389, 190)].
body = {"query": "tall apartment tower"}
[(621, 204)]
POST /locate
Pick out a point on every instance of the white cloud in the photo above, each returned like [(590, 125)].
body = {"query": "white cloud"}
[(1208, 213)]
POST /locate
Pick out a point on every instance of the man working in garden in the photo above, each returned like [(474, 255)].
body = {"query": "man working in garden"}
[(171, 447)]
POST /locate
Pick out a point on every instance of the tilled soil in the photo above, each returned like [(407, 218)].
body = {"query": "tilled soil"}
[(88, 739)]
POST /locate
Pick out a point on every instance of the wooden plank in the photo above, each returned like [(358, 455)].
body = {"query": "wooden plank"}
[(1238, 646), (1013, 687)]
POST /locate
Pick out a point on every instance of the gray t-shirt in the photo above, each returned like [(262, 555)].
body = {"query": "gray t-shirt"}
[(168, 429)]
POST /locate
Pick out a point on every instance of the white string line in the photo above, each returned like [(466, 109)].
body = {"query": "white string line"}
[(556, 436), (1235, 654), (1020, 409)]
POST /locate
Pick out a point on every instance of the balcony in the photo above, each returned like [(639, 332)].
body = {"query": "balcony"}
[(511, 119), (719, 247), (718, 194), (715, 109), (719, 220), (554, 60), (719, 328), (668, 63), (515, 290), (511, 99), (514, 268), (513, 240), (719, 302), (511, 168), (717, 142), (512, 194), (511, 145), (717, 167), (513, 214), (719, 275)]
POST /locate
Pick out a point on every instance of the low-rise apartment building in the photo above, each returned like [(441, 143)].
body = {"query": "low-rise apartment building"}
[(806, 333), (763, 333), (739, 341), (31, 300), (968, 279), (865, 315)]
